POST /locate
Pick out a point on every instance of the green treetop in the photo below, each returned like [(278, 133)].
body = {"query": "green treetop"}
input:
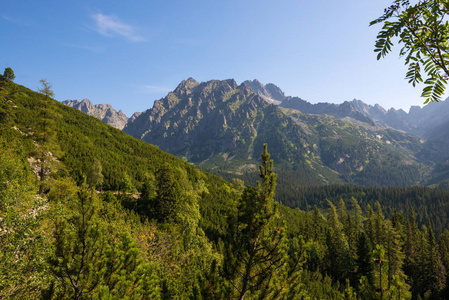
[(257, 262), (46, 88), (9, 74)]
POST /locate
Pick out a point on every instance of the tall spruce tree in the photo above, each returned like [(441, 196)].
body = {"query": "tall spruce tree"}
[(364, 261), (411, 249), (379, 226), (257, 262), (339, 262), (381, 265), (393, 252), (358, 216), (168, 195), (318, 225), (45, 138), (432, 279), (443, 249)]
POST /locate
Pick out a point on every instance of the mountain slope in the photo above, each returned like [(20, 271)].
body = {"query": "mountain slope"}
[(104, 112)]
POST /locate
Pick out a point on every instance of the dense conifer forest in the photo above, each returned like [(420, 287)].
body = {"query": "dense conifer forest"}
[(87, 212)]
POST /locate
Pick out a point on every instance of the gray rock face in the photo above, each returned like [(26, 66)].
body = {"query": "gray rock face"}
[(344, 110), (270, 92), (103, 112), (197, 120)]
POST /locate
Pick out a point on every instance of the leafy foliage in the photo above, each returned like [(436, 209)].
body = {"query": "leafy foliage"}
[(423, 29)]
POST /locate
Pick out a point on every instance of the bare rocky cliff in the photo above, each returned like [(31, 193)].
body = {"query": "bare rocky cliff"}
[(103, 112)]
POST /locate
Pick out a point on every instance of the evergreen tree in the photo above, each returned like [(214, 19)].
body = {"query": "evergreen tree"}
[(420, 272), (256, 260), (342, 211), (317, 225), (168, 195), (398, 220), (126, 186), (381, 266), (95, 176), (393, 252), (358, 215), (411, 250), (339, 262), (46, 137), (88, 261), (370, 225), (432, 279), (379, 227), (147, 196), (46, 89), (443, 249), (350, 232), (364, 261), (9, 74)]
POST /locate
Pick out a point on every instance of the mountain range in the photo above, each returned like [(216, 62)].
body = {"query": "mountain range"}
[(217, 124)]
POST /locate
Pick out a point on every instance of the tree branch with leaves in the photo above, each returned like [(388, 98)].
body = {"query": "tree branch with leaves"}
[(423, 31)]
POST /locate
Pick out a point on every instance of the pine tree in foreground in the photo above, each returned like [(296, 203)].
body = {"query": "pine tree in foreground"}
[(90, 260), (257, 264)]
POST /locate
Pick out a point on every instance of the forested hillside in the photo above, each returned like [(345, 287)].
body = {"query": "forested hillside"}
[(88, 212)]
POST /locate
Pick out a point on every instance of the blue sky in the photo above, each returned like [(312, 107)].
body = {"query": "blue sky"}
[(130, 53)]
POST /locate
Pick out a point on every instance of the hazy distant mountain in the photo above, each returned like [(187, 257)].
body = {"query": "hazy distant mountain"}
[(218, 124), (427, 122), (344, 110), (103, 112)]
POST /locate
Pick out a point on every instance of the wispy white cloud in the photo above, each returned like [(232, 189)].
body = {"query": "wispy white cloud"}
[(111, 26)]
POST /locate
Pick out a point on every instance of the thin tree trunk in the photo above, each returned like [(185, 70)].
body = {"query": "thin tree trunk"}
[(249, 266)]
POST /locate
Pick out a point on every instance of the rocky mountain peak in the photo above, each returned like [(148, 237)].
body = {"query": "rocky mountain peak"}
[(269, 92), (186, 86), (103, 112), (206, 118), (275, 92), (85, 101)]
